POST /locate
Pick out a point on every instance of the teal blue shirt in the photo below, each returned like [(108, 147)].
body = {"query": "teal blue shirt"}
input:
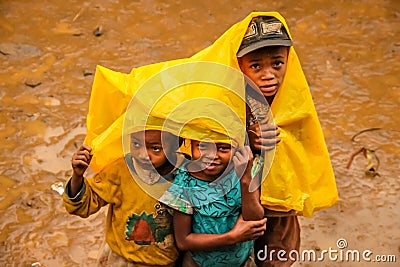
[(215, 207)]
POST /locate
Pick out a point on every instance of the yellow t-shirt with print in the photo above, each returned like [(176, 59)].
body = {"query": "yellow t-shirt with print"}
[(138, 227)]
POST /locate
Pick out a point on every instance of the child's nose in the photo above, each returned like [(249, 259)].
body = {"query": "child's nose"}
[(142, 154), (267, 74)]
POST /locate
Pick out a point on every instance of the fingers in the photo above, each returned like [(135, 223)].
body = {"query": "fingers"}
[(258, 234), (82, 157), (261, 224), (248, 152), (268, 144), (263, 135), (259, 228), (264, 124), (269, 137), (86, 148), (269, 131), (250, 230), (243, 160), (244, 153), (239, 155), (264, 121), (80, 164)]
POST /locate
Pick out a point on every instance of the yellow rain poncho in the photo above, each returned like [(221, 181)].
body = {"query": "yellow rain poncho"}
[(301, 176), (195, 99)]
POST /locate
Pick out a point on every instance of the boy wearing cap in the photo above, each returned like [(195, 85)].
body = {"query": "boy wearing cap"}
[(263, 57)]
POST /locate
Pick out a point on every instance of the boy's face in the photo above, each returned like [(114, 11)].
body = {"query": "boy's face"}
[(147, 150), (211, 158), (266, 67)]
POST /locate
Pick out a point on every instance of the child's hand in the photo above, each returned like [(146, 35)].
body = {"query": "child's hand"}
[(263, 136), (248, 230), (81, 160), (243, 161)]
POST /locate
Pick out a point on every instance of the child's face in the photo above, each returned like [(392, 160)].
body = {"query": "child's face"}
[(211, 158), (266, 67), (147, 150)]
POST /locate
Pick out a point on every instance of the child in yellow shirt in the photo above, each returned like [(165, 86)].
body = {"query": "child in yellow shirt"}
[(139, 228)]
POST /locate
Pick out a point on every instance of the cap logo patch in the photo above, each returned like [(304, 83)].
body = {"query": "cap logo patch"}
[(271, 28), (251, 30)]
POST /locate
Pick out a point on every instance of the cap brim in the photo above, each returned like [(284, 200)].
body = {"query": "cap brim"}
[(265, 43)]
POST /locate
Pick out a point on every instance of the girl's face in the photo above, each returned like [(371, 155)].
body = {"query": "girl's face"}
[(266, 67), (210, 159), (147, 150)]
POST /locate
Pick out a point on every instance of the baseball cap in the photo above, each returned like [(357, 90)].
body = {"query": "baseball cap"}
[(264, 31)]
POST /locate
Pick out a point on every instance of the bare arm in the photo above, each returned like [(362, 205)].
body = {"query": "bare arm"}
[(241, 232), (252, 210), (80, 162)]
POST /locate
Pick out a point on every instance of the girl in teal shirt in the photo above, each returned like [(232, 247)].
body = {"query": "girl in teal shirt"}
[(216, 218)]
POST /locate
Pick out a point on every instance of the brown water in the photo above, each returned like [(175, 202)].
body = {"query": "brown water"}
[(350, 54)]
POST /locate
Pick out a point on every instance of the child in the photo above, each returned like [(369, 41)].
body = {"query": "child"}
[(208, 198), (263, 59), (264, 56), (138, 228)]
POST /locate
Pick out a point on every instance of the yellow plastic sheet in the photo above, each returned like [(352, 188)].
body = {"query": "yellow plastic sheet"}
[(195, 100), (301, 176)]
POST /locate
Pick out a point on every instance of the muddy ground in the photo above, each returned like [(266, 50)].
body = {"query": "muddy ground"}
[(48, 53)]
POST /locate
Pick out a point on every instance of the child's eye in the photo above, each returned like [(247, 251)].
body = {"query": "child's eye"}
[(156, 148), (202, 146), (136, 144), (278, 64), (224, 148), (255, 66)]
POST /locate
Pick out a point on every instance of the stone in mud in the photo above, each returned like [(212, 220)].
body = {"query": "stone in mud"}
[(32, 82), (19, 50), (87, 72), (98, 31)]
